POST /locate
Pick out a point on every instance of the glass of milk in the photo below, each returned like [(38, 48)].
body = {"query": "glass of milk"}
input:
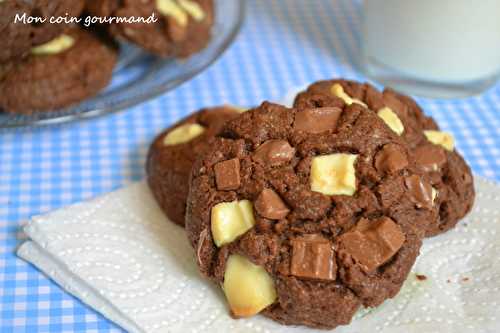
[(435, 48)]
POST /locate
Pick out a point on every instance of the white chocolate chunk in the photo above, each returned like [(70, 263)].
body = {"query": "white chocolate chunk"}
[(183, 134), (338, 90), (229, 220), (180, 10), (442, 139), (334, 174), (248, 287), (193, 9), (434, 195), (391, 119), (172, 9), (55, 46)]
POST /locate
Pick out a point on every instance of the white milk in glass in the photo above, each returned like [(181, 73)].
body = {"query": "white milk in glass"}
[(444, 48)]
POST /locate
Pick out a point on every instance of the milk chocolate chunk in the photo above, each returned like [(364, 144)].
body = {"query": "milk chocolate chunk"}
[(390, 159), (329, 184), (448, 173), (313, 258), (270, 205), (274, 152), (372, 243), (317, 120), (430, 157), (227, 174), (420, 191)]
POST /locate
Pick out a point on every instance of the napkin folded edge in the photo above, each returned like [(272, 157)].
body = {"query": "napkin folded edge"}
[(34, 251), (36, 255)]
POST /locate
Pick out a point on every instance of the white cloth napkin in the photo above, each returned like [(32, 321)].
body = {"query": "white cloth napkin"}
[(120, 255)]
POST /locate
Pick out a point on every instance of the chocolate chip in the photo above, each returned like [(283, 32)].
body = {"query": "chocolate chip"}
[(313, 258), (270, 205), (274, 152), (317, 120), (420, 191), (421, 277), (227, 174), (430, 157), (372, 243), (390, 159)]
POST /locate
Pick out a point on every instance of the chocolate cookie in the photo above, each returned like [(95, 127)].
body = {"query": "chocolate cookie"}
[(183, 27), (306, 214), (18, 38), (66, 70), (172, 154), (433, 150)]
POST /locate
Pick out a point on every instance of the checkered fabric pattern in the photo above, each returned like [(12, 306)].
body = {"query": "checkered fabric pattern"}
[(283, 44)]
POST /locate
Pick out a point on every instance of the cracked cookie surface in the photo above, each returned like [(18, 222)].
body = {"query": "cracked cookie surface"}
[(327, 201), (449, 173)]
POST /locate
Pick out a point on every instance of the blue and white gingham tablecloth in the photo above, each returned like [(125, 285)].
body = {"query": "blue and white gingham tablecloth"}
[(283, 44)]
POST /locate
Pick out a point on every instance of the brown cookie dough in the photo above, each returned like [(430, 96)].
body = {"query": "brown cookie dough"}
[(46, 80), (451, 176), (17, 39), (183, 26), (319, 219), (169, 165)]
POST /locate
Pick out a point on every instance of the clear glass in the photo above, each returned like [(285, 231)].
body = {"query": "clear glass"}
[(433, 48), (139, 77)]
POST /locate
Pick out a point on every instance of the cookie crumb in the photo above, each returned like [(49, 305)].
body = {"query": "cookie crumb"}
[(465, 279), (421, 277), (448, 281)]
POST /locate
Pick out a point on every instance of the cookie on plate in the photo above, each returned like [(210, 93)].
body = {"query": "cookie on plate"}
[(306, 214), (18, 38), (433, 150), (172, 153), (66, 70), (183, 27)]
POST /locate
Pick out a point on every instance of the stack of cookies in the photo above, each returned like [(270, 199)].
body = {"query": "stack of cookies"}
[(46, 66), (306, 214)]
